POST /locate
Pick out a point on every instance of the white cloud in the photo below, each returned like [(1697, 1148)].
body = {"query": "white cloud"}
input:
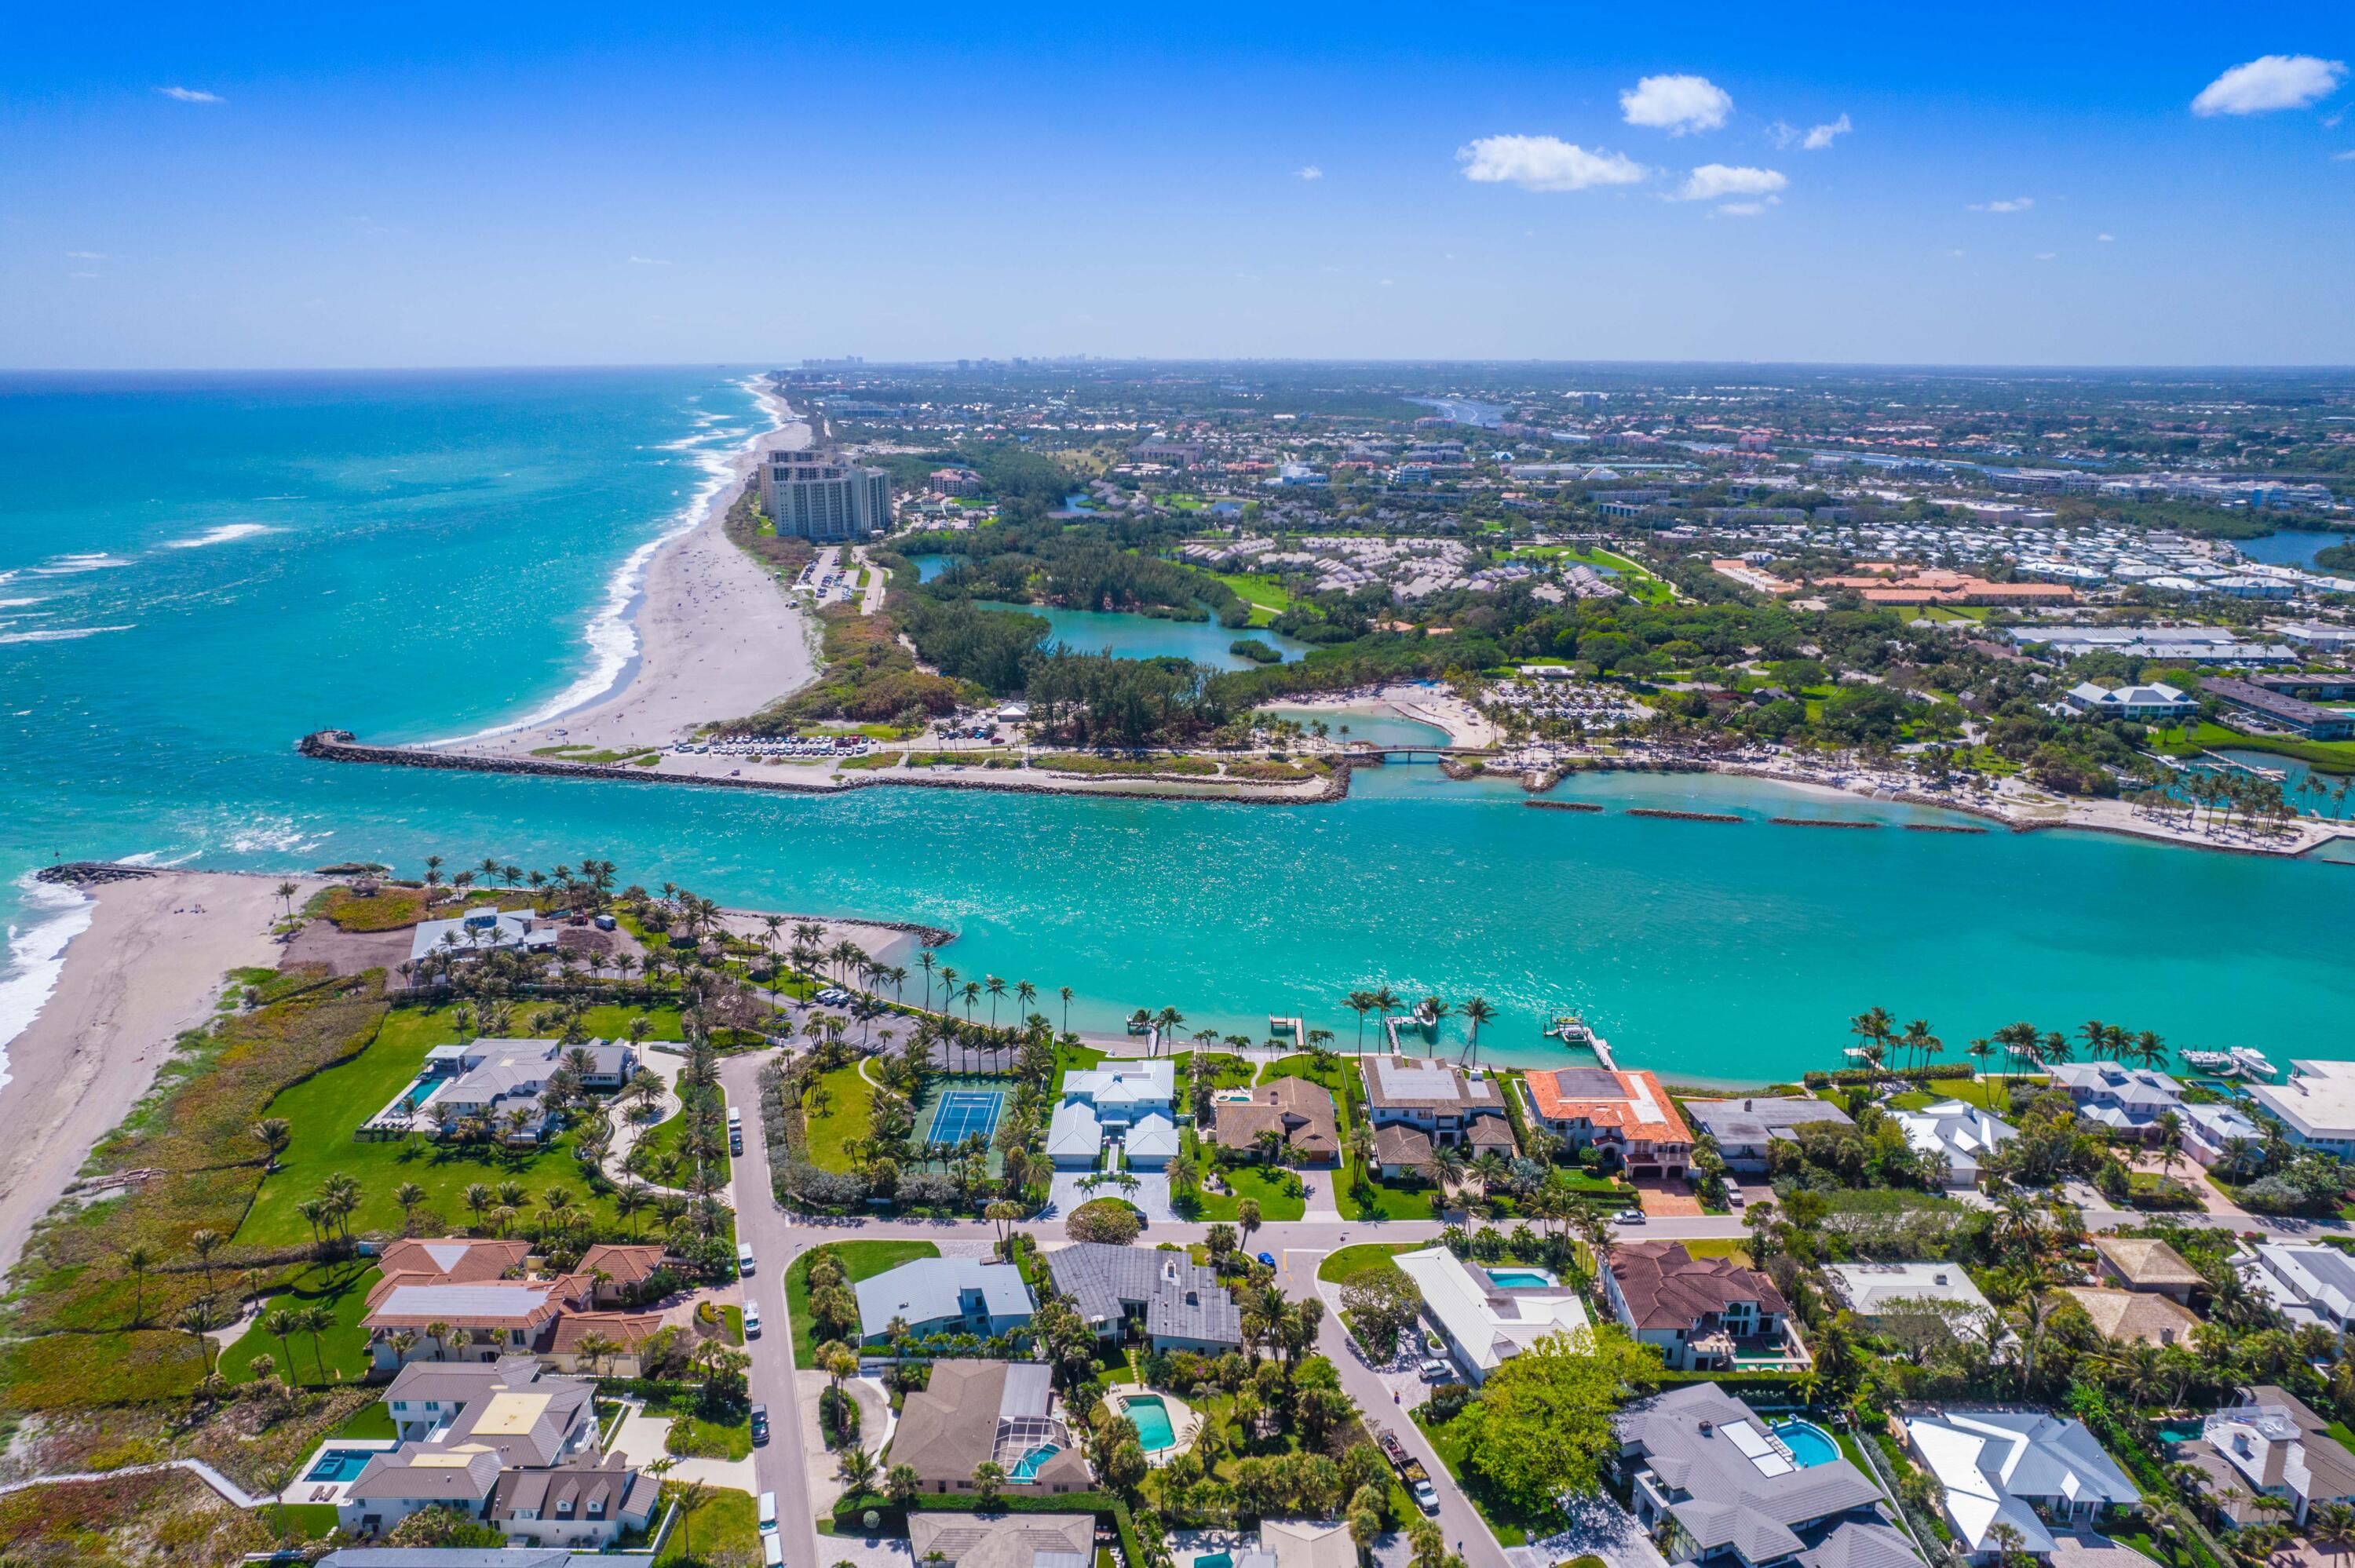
[(1311, 172), (2270, 82), (2047, 255), (1746, 208), (2012, 204), (1814, 139), (648, 262), (1546, 164), (1676, 105), (2105, 238), (191, 95), (2342, 158), (1711, 181), (86, 256)]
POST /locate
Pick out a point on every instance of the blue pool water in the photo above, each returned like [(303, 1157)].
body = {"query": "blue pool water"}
[(1027, 1467), (1152, 1418), (1808, 1442), (1519, 1278), (1215, 1560), (339, 1464)]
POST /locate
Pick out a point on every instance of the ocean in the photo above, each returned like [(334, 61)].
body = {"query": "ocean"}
[(197, 570)]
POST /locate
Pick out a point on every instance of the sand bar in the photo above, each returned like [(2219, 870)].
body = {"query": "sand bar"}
[(718, 638), (147, 967)]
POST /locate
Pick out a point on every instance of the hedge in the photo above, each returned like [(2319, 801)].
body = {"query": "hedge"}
[(1944, 1072), (848, 1511)]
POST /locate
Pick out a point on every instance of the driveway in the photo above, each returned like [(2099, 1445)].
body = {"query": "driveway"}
[(1664, 1199), (1151, 1196), (1600, 1526)]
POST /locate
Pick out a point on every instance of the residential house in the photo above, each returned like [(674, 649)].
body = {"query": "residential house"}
[(1177, 1303), (1882, 1289), (622, 1273), (2034, 1472), (586, 1502), (2315, 1107), (1299, 1114), (2309, 1283), (2270, 1446), (1074, 1137), (1961, 1133), (1700, 1460), (1150, 1143), (2155, 702), (1298, 1543), (2131, 1317), (1003, 1540), (1487, 1322), (1628, 1115), (943, 1296), (1450, 1106), (1700, 1311), (456, 1283), (2139, 1263), (2127, 1100), (1122, 1092), (1743, 1129), (502, 1081), (975, 1413), (480, 931)]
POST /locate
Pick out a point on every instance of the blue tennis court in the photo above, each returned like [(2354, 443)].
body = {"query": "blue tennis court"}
[(967, 1113)]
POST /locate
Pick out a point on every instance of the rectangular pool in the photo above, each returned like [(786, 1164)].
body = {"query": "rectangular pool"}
[(339, 1464)]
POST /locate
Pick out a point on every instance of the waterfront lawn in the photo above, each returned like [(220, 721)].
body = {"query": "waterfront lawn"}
[(1081, 1059), (838, 1113), (371, 1420), (860, 1260), (1223, 1069), (726, 1528), (1988, 1094), (1267, 598), (342, 1349), (325, 1110), (2322, 755)]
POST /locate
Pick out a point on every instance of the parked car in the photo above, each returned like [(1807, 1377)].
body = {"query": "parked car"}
[(1438, 1371), (751, 1319), (1628, 1217), (760, 1425), (1268, 1258)]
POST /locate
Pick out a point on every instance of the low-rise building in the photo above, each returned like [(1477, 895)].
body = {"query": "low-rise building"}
[(480, 931), (2131, 1317), (2124, 1099), (2154, 703), (2316, 1106), (1490, 1316), (1447, 1104), (975, 1413), (1123, 1091), (1150, 1143), (2307, 1282), (500, 1084), (1178, 1304), (1074, 1137), (2139, 1262), (1701, 1312), (1628, 1115), (943, 1295), (2022, 1468), (1743, 1129), (1879, 1289), (1002, 1540), (1739, 1493), (2270, 1446), (1299, 1115), (2308, 719), (1963, 1134), (453, 1284)]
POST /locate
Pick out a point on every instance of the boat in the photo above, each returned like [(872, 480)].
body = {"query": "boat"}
[(2253, 1062), (2218, 1062), (1569, 1029)]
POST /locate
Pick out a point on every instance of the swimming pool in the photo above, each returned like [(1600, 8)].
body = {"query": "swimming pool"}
[(339, 1464), (1026, 1469), (1152, 1418), (2181, 1432), (1215, 1560), (1810, 1444), (1519, 1278)]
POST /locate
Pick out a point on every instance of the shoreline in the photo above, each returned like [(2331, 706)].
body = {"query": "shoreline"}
[(144, 968), (711, 633)]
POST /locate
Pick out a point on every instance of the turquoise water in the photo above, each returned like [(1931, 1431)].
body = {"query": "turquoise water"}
[(1377, 725), (441, 544), (1809, 1445), (1519, 1278), (1152, 1418), (1205, 642), (1027, 1467), (1215, 1560), (2181, 1432), (2290, 547)]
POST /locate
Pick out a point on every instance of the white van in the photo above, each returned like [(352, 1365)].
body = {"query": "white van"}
[(744, 1258), (768, 1512), (773, 1551), (751, 1319)]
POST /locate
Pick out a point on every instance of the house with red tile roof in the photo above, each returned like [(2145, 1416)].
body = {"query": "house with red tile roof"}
[(1627, 1115), (1701, 1312)]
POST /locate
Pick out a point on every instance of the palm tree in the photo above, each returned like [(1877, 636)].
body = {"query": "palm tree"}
[(1919, 1041), (286, 891), (282, 1326), (315, 1321), (1065, 993), (273, 1133), (1448, 1166), (1476, 1011), (138, 1258), (196, 1320), (690, 1500), (1875, 1027), (438, 1332), (204, 1244), (409, 1194), (1360, 1002)]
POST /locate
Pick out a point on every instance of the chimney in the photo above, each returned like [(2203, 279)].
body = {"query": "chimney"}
[(1709, 1428)]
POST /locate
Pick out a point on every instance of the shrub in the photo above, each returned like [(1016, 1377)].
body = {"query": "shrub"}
[(1105, 1220)]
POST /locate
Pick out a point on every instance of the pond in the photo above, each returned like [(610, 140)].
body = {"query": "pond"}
[(1205, 642), (2290, 547), (1370, 723)]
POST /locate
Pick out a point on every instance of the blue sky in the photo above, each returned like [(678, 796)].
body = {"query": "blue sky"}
[(521, 185)]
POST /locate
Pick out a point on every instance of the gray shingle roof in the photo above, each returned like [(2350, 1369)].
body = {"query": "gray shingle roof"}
[(1181, 1299), (1694, 1441), (1754, 1121)]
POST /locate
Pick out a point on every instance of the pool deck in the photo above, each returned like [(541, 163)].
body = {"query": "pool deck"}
[(307, 1491), (1183, 1421)]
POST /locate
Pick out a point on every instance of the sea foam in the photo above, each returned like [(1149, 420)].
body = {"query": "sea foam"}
[(220, 536), (62, 634), (37, 953)]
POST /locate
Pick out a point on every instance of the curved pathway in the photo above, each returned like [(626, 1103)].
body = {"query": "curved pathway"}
[(229, 1491)]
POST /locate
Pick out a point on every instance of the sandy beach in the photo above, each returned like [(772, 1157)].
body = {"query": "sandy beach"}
[(1465, 724), (717, 637), (147, 967)]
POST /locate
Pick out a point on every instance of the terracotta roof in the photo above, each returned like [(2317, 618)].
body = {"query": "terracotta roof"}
[(625, 1329), (1665, 1287), (1490, 1132), (1301, 1111), (1634, 1103), (625, 1265), (453, 1260)]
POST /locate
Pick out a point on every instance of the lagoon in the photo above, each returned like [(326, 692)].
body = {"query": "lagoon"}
[(408, 587)]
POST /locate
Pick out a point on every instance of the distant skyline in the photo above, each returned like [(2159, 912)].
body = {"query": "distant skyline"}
[(2162, 185)]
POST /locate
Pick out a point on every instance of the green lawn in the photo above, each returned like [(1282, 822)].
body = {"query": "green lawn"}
[(726, 1528), (847, 1100), (373, 1419), (1354, 1263), (665, 1138), (1081, 1058), (1252, 1181), (860, 1260), (1389, 1201), (1988, 1094), (343, 1288), (1267, 597), (2322, 755), (325, 1111)]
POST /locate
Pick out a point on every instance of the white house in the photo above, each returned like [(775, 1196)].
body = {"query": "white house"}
[(2309, 1283), (1074, 1136), (2023, 1469), (1150, 1143), (1488, 1317), (1123, 1091), (943, 1296), (2315, 1107), (1963, 1133), (2145, 704)]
